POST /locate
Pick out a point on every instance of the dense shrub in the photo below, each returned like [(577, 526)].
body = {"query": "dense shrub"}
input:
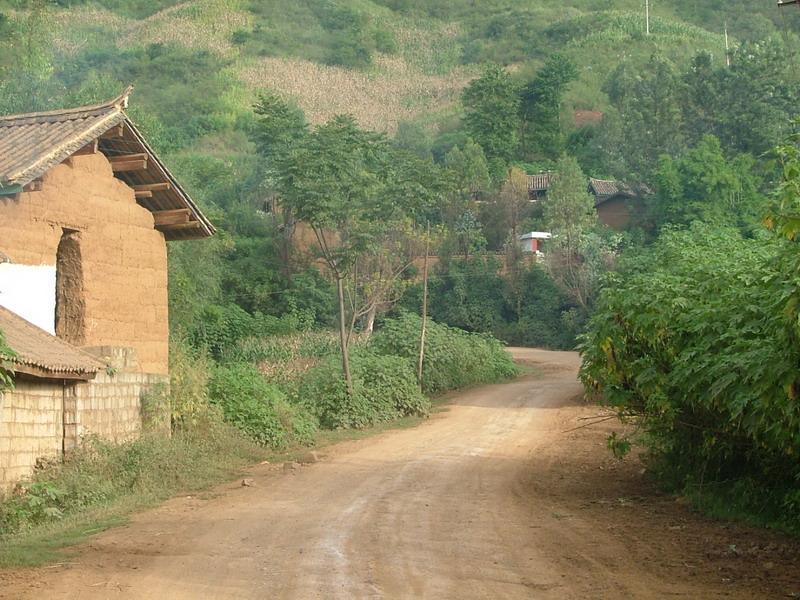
[(694, 340), (453, 358), (220, 329), (259, 409), (384, 388)]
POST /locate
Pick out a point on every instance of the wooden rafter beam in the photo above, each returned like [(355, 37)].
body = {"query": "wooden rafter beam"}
[(170, 218), (143, 194), (153, 187), (115, 158), (90, 148), (114, 132), (179, 226), (129, 165)]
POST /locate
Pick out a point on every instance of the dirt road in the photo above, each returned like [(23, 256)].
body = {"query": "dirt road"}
[(493, 498)]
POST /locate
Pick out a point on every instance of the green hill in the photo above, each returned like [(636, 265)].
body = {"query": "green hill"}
[(384, 61)]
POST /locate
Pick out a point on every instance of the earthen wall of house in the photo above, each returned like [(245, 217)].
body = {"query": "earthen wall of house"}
[(123, 258), (615, 213)]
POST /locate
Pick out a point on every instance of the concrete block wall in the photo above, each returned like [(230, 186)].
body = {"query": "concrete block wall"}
[(41, 419), (30, 428), (124, 258)]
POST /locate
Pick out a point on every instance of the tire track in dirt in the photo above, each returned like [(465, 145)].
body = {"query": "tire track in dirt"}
[(493, 498)]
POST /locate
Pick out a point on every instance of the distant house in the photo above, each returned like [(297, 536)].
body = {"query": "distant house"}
[(616, 202), (86, 210), (532, 241), (538, 184)]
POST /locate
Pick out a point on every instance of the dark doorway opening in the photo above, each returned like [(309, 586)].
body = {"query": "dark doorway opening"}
[(70, 302)]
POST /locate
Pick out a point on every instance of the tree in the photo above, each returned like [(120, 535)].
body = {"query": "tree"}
[(704, 185), (650, 116), (569, 213), (759, 96), (26, 60), (467, 173), (701, 98), (540, 108), (514, 202), (491, 105), (279, 127), (331, 179)]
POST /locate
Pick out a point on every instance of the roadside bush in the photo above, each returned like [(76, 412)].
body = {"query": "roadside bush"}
[(695, 342), (384, 388), (220, 329), (146, 470), (453, 358), (259, 409)]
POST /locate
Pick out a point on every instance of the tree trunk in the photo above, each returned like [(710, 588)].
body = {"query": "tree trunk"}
[(348, 379), (420, 363), (370, 324)]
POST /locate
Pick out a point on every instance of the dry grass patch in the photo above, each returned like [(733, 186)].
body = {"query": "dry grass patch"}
[(199, 25), (379, 99)]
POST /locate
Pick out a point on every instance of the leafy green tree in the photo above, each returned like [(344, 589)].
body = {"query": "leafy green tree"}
[(701, 97), (279, 124), (569, 213), (759, 95), (279, 127), (491, 105), (414, 138), (704, 185), (467, 174), (26, 60), (650, 117), (341, 181), (697, 340), (540, 108)]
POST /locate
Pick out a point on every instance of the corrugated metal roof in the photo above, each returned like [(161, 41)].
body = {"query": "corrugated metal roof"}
[(33, 143), (47, 354)]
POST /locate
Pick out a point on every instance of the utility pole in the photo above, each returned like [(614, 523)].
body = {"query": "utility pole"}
[(424, 306), (647, 16)]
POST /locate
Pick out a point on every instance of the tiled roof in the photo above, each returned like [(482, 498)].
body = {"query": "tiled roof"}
[(39, 353), (604, 187), (539, 182), (33, 143)]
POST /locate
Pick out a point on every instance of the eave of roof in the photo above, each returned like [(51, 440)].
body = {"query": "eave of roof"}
[(40, 354), (33, 143)]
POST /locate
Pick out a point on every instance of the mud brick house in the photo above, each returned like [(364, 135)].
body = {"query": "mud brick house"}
[(617, 203), (86, 211)]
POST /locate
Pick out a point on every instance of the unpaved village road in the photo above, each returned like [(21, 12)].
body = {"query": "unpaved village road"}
[(493, 498)]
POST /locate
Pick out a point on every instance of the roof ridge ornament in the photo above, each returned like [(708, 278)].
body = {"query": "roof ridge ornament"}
[(122, 100)]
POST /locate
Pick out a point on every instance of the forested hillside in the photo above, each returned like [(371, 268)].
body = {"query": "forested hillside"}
[(333, 142)]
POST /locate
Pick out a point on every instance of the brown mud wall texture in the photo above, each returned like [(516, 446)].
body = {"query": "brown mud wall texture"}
[(124, 259)]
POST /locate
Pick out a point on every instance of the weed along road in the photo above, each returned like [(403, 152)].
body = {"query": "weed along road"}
[(500, 495)]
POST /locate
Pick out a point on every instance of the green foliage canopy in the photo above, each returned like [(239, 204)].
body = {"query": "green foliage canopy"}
[(694, 341)]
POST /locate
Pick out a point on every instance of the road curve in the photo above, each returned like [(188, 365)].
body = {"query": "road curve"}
[(444, 510)]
